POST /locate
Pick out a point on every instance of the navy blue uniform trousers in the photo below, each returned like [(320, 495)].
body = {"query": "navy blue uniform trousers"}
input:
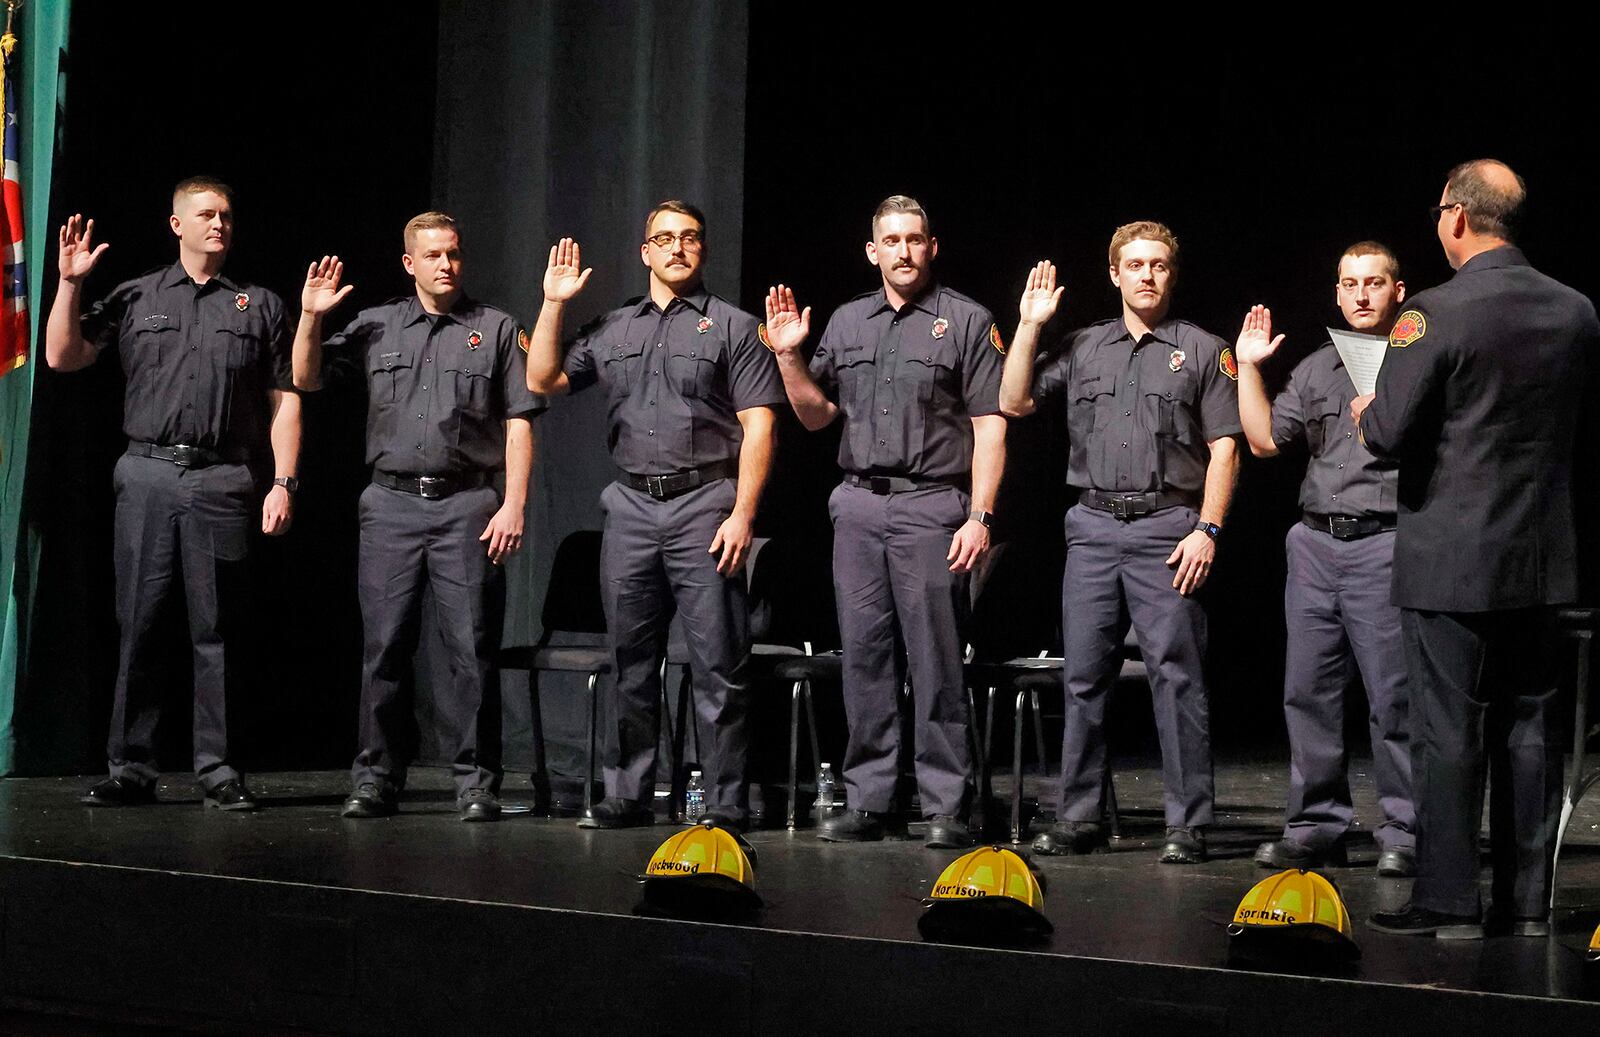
[(1336, 609), (193, 524), (655, 560), (1116, 572), (408, 542), (899, 610)]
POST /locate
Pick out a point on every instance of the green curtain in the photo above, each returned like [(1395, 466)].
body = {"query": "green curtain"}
[(38, 74)]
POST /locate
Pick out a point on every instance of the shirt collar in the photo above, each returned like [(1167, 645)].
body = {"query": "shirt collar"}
[(414, 312), (696, 300), (1166, 331), (927, 301), (1495, 258), (177, 275)]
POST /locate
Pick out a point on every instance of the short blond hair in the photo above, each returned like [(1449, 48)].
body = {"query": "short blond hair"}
[(1391, 263), (1143, 230), (428, 221)]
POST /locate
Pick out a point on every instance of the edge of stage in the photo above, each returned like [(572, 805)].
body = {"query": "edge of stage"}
[(293, 919)]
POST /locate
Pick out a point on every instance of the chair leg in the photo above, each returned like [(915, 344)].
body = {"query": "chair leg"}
[(594, 728), (680, 738), (1576, 784), (540, 778), (980, 771), (1111, 803), (1019, 719), (794, 749), (988, 723), (811, 727)]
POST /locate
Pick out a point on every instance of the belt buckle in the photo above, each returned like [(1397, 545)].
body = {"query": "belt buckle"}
[(879, 484), (431, 487), (184, 455), (1343, 526), (656, 486), (1128, 506)]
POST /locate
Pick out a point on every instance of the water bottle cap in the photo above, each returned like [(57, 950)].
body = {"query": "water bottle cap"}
[(694, 774), (827, 766)]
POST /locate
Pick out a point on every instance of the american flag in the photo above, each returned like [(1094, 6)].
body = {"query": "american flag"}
[(13, 273)]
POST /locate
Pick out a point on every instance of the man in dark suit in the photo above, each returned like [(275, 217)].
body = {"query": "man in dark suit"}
[(1478, 401)]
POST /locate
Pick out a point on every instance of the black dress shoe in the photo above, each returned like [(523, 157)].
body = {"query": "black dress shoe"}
[(118, 792), (230, 795), (1501, 923), (948, 833), (1183, 846), (1397, 863), (1419, 921), (1071, 837), (478, 805), (612, 812), (853, 826), (737, 824), (369, 800), (1287, 853)]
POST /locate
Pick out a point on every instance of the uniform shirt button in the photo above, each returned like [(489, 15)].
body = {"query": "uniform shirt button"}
[(691, 354), (193, 348), (658, 345), (1124, 445), (419, 415), (1347, 435), (888, 380), (652, 403), (651, 432), (883, 442), (1341, 466), (1127, 414), (191, 378), (1335, 496), (885, 410), (424, 388), (427, 360), (891, 350)]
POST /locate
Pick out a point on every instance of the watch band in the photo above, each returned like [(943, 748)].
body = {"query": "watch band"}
[(1210, 529), (983, 518), (288, 482)]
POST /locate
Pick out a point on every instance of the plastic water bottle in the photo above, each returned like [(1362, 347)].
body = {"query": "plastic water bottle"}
[(694, 799), (825, 788)]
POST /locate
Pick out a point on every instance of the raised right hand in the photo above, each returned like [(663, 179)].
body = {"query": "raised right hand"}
[(76, 255), (1255, 337), (322, 292), (1041, 297), (787, 324), (565, 276)]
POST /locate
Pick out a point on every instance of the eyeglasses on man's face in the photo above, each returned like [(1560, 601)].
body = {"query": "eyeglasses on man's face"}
[(666, 241)]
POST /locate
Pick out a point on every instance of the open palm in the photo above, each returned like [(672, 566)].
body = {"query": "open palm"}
[(787, 324), (1041, 297), (77, 254), (565, 276), (1255, 342)]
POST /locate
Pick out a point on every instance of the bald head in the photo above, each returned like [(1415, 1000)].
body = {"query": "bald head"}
[(1491, 193)]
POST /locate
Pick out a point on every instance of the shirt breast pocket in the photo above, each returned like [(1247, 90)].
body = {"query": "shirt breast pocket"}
[(1170, 405), (156, 339), (1322, 422), (1090, 403), (386, 372), (621, 368), (472, 378), (693, 369), (855, 365), (242, 346), (935, 368)]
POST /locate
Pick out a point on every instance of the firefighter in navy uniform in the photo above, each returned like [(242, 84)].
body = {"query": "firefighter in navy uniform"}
[(1478, 401), (1152, 416), (691, 390), (915, 368), (447, 410), (209, 400), (1336, 598)]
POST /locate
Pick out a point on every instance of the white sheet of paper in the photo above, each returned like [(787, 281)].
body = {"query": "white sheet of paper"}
[(1362, 356)]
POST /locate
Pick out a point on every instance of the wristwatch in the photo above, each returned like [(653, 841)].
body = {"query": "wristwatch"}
[(1210, 529), (983, 518), (288, 482)]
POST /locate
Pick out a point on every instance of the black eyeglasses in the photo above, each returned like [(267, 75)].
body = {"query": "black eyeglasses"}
[(1436, 211), (666, 240)]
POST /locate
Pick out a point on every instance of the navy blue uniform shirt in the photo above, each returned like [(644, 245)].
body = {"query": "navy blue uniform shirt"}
[(676, 379), (1343, 477), (910, 381), (200, 360), (1141, 414), (439, 387)]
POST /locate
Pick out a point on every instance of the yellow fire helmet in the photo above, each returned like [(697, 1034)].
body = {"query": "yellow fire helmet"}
[(702, 869), (1594, 947), (1301, 907), (989, 893)]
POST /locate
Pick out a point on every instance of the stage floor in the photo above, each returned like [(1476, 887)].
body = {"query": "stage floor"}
[(1119, 906)]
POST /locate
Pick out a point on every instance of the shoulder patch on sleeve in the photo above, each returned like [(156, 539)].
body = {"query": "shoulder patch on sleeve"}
[(522, 338), (1227, 364), (995, 340), (1408, 328), (761, 333)]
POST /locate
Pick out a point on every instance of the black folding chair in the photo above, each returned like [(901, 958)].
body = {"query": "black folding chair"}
[(572, 610), (1577, 625)]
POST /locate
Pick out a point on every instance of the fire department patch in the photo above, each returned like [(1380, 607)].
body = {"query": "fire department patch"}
[(1410, 326), (995, 340), (474, 340), (522, 340), (705, 325), (1175, 361), (940, 326), (1227, 365), (761, 333), (242, 301)]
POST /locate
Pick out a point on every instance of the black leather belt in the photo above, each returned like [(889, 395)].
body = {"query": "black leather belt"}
[(885, 484), (666, 487), (432, 487), (1348, 527), (1133, 505), (181, 454)]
